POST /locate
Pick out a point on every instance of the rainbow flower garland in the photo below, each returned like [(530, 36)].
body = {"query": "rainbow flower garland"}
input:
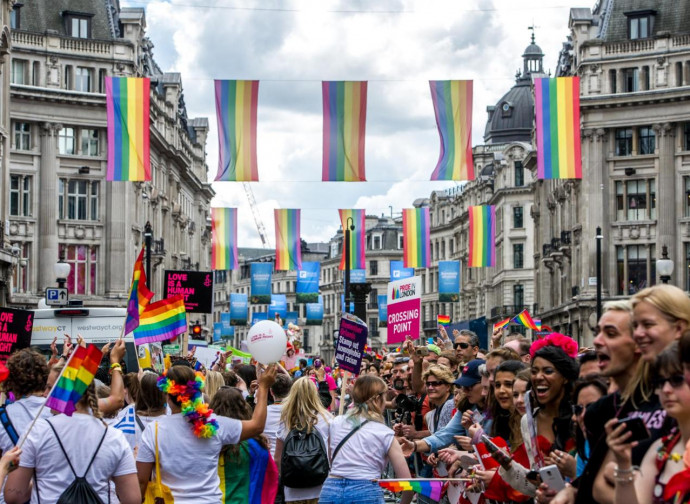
[(195, 411)]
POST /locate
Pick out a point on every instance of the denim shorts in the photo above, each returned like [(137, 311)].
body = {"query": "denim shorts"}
[(347, 491)]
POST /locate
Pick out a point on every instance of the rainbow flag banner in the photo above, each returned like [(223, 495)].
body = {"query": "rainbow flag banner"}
[(416, 243), (357, 238), (161, 321), (524, 318), (236, 110), (427, 488), (557, 119), (139, 294), (453, 109), (288, 246), (482, 236), (443, 320), (74, 379), (224, 238), (501, 324), (344, 125), (127, 111)]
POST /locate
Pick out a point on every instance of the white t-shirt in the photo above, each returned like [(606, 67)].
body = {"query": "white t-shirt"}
[(189, 465), (272, 425), (80, 435), (294, 494), (364, 456)]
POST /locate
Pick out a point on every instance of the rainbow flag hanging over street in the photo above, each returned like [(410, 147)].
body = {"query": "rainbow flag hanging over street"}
[(161, 321), (139, 294), (443, 320), (127, 110), (524, 319), (74, 379), (236, 110), (416, 243), (224, 238), (344, 125), (501, 324), (482, 236), (357, 238), (453, 110), (557, 119), (427, 488), (288, 246)]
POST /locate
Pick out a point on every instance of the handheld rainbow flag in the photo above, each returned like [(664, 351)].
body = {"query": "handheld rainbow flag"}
[(537, 323), (127, 111), (139, 294), (416, 244), (427, 488), (557, 119), (501, 324), (74, 379), (482, 236), (250, 476), (453, 110), (344, 125), (288, 246), (524, 319), (224, 238), (236, 111), (161, 321), (357, 238), (443, 320)]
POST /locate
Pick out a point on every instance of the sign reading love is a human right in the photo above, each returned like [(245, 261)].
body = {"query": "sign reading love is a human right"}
[(404, 309)]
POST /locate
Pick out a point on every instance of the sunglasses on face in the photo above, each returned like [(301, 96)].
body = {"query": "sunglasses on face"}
[(435, 384), (676, 381), (578, 409), (464, 346)]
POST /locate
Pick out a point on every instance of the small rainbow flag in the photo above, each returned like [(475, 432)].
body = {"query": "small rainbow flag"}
[(443, 320), (416, 243), (453, 109), (161, 321), (224, 238), (74, 379), (482, 236), (501, 324), (236, 110), (288, 246), (524, 319), (557, 119), (127, 111), (139, 294), (344, 125), (537, 323), (427, 488), (357, 238)]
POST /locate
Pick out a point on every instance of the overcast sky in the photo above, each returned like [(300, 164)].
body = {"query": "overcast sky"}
[(396, 45)]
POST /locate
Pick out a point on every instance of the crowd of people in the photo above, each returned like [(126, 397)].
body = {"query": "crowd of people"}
[(521, 421)]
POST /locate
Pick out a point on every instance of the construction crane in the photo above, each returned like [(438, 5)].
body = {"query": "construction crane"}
[(257, 218)]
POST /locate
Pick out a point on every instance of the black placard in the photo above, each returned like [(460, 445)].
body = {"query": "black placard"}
[(15, 330), (195, 286)]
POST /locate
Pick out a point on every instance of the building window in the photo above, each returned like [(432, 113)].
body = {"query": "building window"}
[(647, 140), (376, 242), (519, 174), (687, 266), (89, 142), (78, 26), (15, 16), (636, 200), (18, 75), (636, 268), (623, 141), (78, 199), (82, 79), (22, 136), (66, 141), (20, 195), (518, 297), (518, 256), (686, 183), (400, 241), (639, 27), (686, 136), (83, 261), (20, 275), (517, 217), (373, 267), (612, 81), (631, 80)]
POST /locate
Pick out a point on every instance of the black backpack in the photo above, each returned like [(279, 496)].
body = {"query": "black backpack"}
[(304, 463)]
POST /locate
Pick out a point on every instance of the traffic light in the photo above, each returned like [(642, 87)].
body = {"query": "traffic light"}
[(195, 330)]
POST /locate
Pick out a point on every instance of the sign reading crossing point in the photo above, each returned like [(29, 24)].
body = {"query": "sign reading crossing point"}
[(404, 309)]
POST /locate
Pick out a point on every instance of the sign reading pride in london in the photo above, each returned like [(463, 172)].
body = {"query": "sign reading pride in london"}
[(404, 308)]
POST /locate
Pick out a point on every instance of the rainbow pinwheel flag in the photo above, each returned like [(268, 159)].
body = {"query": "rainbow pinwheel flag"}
[(501, 324), (288, 246), (236, 111), (74, 379), (127, 112), (443, 320), (524, 318), (224, 238), (453, 109), (161, 321), (416, 243), (557, 119), (482, 236), (357, 238), (139, 294), (427, 488), (344, 125)]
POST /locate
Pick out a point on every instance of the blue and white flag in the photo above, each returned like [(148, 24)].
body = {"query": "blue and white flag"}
[(128, 423)]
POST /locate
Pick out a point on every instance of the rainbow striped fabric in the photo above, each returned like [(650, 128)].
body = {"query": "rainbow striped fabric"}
[(161, 321), (416, 243), (482, 236), (344, 125), (74, 379), (537, 323), (524, 318), (127, 110), (443, 320), (139, 294), (427, 488), (288, 246), (501, 324), (224, 238), (236, 111), (453, 109), (557, 118), (248, 476), (357, 238)]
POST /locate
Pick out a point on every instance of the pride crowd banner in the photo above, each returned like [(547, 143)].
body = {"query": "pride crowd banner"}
[(448, 281), (315, 312), (398, 271), (308, 282), (261, 274), (288, 246), (482, 236), (416, 244), (404, 309), (224, 238), (238, 309)]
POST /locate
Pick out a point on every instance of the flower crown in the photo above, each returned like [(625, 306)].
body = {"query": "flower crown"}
[(565, 343), (195, 411)]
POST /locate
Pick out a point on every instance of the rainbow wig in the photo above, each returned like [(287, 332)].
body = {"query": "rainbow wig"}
[(195, 411)]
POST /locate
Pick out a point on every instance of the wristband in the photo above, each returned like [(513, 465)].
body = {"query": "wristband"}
[(414, 444), (115, 366)]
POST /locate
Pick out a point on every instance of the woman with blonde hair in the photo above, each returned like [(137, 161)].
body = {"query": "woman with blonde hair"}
[(214, 380)]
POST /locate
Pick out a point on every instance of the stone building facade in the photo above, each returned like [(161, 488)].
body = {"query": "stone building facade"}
[(10, 259)]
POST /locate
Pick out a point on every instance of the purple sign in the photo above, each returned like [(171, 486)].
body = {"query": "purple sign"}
[(352, 337)]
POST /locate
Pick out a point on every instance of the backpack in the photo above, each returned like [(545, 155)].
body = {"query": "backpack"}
[(79, 490), (304, 463)]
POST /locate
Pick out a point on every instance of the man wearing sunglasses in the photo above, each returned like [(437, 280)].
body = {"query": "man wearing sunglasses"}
[(466, 345)]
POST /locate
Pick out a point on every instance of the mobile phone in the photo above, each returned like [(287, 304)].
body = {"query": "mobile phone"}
[(637, 426), (552, 477), (421, 350)]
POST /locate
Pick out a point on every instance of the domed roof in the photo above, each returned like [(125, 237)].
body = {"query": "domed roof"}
[(533, 50), (487, 171), (511, 120)]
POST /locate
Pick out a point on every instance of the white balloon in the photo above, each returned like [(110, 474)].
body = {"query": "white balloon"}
[(266, 341)]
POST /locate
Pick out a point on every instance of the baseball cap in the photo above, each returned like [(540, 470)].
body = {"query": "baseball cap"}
[(470, 374), (434, 348)]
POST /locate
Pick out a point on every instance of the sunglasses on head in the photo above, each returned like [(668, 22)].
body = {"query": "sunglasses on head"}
[(435, 384), (676, 381), (464, 346)]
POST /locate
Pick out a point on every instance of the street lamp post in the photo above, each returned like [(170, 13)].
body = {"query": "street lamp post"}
[(599, 237), (349, 227), (61, 270), (148, 236), (664, 266)]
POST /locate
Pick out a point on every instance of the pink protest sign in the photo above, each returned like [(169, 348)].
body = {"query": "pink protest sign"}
[(404, 309)]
